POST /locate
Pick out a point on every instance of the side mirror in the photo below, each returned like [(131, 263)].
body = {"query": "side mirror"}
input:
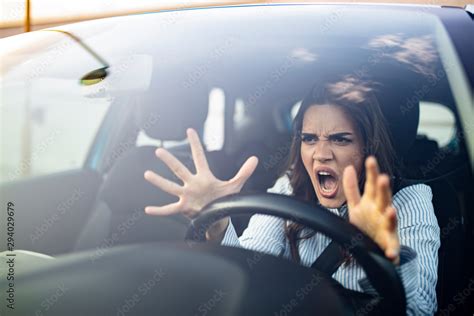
[(94, 77), (129, 74)]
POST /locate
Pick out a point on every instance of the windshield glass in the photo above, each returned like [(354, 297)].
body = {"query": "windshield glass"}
[(257, 71), (47, 123)]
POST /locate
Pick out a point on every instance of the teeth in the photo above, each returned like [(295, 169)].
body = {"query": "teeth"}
[(324, 173)]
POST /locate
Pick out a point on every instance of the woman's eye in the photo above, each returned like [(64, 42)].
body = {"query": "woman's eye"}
[(308, 139), (341, 140)]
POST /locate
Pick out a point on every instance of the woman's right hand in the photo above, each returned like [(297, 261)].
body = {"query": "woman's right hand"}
[(198, 189)]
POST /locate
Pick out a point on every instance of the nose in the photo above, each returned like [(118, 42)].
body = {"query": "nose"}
[(322, 151)]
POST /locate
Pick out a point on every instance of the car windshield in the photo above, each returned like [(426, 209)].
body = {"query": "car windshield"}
[(84, 107), (256, 70)]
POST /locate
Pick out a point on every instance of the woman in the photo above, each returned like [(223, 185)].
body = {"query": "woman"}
[(340, 137)]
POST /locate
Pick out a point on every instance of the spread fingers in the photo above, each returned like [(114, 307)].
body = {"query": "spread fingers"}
[(371, 173), (169, 209), (174, 164), (162, 183), (197, 151), (384, 194)]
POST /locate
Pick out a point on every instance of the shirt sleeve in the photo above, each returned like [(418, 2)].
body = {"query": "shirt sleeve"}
[(419, 235), (264, 233)]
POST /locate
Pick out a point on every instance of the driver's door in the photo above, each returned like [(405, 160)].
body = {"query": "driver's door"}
[(48, 211), (49, 122)]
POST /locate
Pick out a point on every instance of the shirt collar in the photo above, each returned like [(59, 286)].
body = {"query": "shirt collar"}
[(341, 211)]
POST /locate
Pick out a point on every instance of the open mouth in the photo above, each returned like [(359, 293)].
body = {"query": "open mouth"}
[(328, 183)]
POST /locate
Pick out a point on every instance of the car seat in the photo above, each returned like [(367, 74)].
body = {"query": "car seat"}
[(118, 215), (447, 206)]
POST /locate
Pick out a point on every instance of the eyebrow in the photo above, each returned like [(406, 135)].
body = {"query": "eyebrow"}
[(340, 134)]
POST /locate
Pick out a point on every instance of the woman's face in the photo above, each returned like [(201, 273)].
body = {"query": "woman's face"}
[(330, 143)]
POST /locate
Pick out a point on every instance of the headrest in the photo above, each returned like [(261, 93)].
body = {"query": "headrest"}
[(401, 110), (165, 115), (125, 189)]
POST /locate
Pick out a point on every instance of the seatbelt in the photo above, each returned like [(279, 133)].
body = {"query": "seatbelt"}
[(330, 259), (333, 256)]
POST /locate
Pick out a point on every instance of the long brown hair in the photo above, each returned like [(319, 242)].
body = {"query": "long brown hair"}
[(356, 97)]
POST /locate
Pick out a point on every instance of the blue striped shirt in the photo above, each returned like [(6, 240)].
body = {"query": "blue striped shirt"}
[(418, 231)]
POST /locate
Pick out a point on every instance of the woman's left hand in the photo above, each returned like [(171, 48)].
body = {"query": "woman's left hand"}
[(373, 213)]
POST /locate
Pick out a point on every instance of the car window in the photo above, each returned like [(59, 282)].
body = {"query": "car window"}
[(50, 127), (437, 122), (214, 126)]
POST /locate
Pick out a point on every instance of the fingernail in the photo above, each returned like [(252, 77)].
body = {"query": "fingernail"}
[(394, 253)]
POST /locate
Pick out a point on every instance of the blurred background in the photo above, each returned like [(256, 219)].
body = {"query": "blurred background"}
[(48, 13)]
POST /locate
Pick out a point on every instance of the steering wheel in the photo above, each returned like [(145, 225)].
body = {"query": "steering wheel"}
[(379, 270)]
